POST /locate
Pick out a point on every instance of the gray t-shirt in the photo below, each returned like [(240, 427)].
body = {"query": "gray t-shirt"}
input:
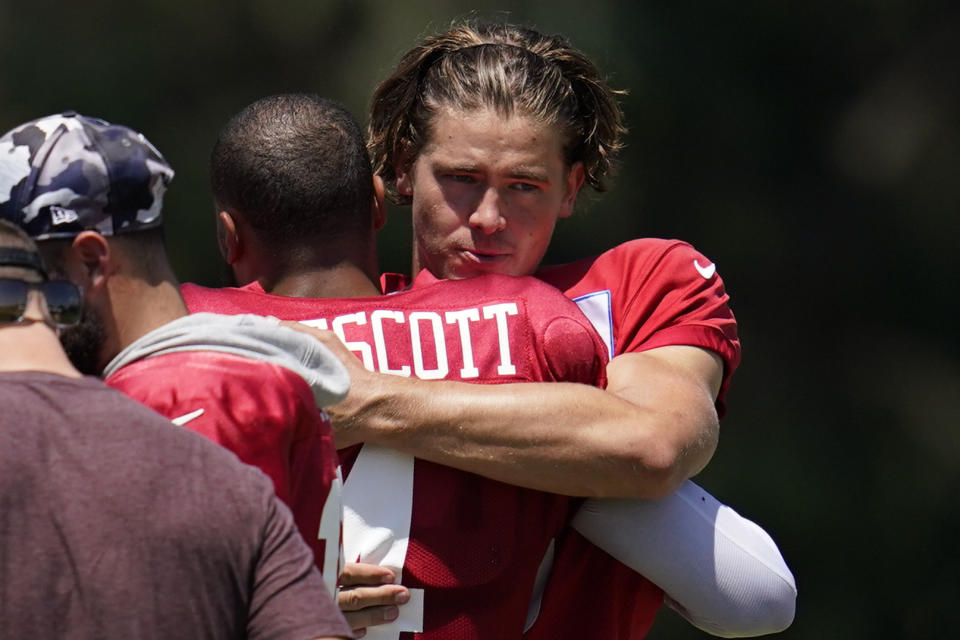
[(117, 524)]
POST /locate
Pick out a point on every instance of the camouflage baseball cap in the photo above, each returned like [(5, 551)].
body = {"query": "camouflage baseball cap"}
[(66, 173)]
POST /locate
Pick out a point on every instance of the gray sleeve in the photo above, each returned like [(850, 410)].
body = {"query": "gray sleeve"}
[(289, 600)]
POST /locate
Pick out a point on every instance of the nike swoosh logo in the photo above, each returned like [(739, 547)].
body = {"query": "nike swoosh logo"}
[(187, 417), (707, 271)]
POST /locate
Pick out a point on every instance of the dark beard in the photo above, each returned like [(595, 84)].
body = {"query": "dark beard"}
[(83, 342)]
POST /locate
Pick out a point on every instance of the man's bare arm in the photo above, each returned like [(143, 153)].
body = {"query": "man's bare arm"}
[(654, 426)]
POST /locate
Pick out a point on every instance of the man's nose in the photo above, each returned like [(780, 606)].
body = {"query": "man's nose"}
[(488, 215)]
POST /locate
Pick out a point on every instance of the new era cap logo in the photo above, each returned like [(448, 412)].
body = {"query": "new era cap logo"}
[(59, 215)]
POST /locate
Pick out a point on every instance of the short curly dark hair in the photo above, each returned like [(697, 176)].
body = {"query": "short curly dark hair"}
[(294, 165)]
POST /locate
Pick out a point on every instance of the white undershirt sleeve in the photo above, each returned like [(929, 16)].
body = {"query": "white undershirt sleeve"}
[(720, 571)]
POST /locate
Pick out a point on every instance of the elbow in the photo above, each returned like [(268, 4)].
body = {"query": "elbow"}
[(782, 613), (677, 451), (670, 448), (771, 610), (774, 615), (664, 477), (783, 610), (781, 605), (768, 606), (658, 469), (766, 602)]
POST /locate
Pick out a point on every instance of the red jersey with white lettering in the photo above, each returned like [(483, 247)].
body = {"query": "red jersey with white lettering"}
[(475, 545), (264, 413), (640, 295)]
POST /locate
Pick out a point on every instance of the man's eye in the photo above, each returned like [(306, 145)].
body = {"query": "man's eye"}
[(524, 186), (461, 177)]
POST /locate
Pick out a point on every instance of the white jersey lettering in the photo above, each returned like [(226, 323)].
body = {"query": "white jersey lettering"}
[(362, 348), (500, 312), (330, 533), (377, 516), (462, 320), (439, 343), (427, 346), (376, 321)]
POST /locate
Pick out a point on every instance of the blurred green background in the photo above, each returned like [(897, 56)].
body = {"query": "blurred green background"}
[(811, 149)]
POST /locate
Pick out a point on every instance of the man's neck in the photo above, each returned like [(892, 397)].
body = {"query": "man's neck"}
[(33, 347), (344, 280), (141, 307)]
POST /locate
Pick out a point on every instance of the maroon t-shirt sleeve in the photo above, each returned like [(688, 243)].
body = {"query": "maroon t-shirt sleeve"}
[(289, 600)]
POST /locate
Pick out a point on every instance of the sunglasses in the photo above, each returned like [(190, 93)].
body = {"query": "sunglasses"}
[(64, 303)]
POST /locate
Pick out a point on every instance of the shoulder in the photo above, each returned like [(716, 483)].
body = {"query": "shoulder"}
[(643, 267), (633, 258), (490, 286), (107, 425), (226, 300), (174, 382), (94, 406), (537, 301), (196, 297), (199, 365), (565, 337), (128, 448)]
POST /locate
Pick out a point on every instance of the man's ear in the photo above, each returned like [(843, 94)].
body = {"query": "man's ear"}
[(93, 253), (575, 179), (228, 240), (404, 171), (378, 208)]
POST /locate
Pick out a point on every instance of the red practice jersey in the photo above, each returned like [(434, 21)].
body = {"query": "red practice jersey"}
[(640, 295), (475, 545), (267, 416)]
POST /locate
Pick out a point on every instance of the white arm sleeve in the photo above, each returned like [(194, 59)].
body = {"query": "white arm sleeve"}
[(720, 571)]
